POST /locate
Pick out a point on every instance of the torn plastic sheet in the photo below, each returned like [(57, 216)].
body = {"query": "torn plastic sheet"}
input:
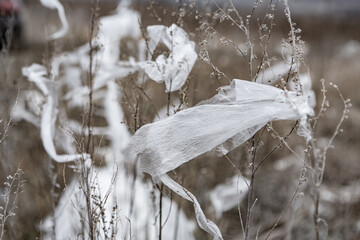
[(228, 195), (67, 70), (55, 4), (227, 120), (36, 73), (175, 69)]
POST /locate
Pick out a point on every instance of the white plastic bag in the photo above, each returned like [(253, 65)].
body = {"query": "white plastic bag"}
[(223, 122)]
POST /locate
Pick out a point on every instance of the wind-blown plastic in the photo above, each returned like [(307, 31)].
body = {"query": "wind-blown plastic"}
[(63, 89), (37, 74), (175, 69), (55, 4), (223, 122)]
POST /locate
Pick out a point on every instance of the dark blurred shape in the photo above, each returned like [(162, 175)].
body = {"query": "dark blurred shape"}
[(10, 22)]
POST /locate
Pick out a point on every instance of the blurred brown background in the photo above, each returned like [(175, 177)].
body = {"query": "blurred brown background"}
[(331, 32)]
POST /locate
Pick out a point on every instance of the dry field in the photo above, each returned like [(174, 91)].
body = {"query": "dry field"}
[(332, 53)]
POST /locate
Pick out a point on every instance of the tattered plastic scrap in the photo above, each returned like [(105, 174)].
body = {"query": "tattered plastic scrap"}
[(55, 4), (112, 29), (115, 27), (175, 69), (228, 195), (37, 74), (141, 224), (223, 122)]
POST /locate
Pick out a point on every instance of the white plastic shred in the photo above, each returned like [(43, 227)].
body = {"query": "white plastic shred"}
[(228, 195), (28, 107), (64, 83), (203, 222), (235, 113), (117, 131), (37, 74), (141, 224), (112, 29), (66, 69), (55, 4), (175, 69), (224, 122)]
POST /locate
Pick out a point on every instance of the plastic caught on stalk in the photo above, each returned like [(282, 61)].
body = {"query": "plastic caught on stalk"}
[(139, 225), (175, 69), (55, 4), (67, 69), (37, 73), (227, 120), (112, 29)]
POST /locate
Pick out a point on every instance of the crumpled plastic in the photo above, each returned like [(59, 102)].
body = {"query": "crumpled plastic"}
[(175, 69), (223, 122)]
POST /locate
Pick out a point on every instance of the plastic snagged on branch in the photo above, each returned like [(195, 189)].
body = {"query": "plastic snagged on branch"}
[(175, 69), (65, 89), (227, 120), (109, 67)]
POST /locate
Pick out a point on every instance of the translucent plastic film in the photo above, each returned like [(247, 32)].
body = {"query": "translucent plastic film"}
[(223, 122), (227, 120)]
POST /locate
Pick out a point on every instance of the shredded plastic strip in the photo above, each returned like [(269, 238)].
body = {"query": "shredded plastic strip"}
[(36, 73), (55, 4)]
